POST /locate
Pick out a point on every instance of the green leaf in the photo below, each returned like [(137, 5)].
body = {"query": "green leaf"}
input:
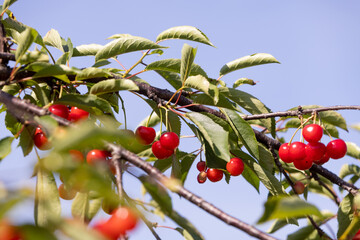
[(76, 230), (57, 70), (307, 232), (47, 202), (172, 78), (278, 224), (174, 65), (7, 4), (207, 100), (356, 126), (347, 170), (40, 93), (12, 124), (345, 214), (353, 150), (90, 103), (250, 104), (201, 83), (250, 176), (185, 33), (280, 207), (34, 56), (86, 50), (244, 132), (215, 133), (247, 61), (187, 58), (83, 208), (125, 45), (113, 85), (5, 147), (26, 141), (242, 81), (92, 72), (31, 232), (53, 38), (352, 229), (14, 28), (120, 35), (25, 40)]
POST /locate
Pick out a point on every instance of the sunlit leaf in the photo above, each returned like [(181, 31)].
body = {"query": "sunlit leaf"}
[(34, 56), (5, 147), (53, 38), (248, 61), (26, 141), (84, 208), (353, 150), (92, 72), (345, 214), (278, 224), (185, 33), (249, 175), (242, 81), (12, 124), (172, 78), (347, 170), (113, 85), (25, 40), (15, 28), (77, 230), (31, 232), (7, 3), (125, 45), (86, 50), (201, 83), (53, 70), (187, 58), (173, 65), (356, 126)]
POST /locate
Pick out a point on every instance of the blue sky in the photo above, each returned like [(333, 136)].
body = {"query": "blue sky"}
[(317, 43)]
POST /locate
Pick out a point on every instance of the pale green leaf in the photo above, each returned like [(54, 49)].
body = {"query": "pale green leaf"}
[(248, 61), (34, 56), (57, 70), (356, 126), (249, 175), (347, 170), (26, 141), (125, 45), (25, 40), (187, 58), (5, 147), (86, 50), (278, 224), (15, 28), (281, 207), (7, 3), (76, 230), (120, 35), (92, 72), (185, 33), (353, 150), (205, 99), (53, 38), (173, 65), (242, 81), (172, 78), (85, 208), (201, 83), (47, 202), (345, 214), (113, 85)]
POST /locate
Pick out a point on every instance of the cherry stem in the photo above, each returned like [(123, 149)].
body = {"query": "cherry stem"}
[(148, 121), (300, 127)]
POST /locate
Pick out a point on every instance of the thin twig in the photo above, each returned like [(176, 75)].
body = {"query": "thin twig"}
[(332, 192)]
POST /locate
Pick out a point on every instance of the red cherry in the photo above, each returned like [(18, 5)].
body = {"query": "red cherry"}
[(40, 140), (315, 151), (323, 160), (336, 149), (95, 156), (303, 164), (201, 166), (122, 220), (235, 166), (146, 135), (202, 176), (160, 152), (299, 187), (76, 155), (312, 132), (297, 151), (284, 153), (169, 140), (214, 175), (357, 236), (66, 192), (8, 231), (106, 230), (77, 114), (59, 110)]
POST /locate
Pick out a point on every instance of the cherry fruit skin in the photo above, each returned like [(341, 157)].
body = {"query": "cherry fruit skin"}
[(40, 140), (284, 153), (77, 114), (357, 236), (214, 175), (312, 132), (303, 164), (95, 156), (336, 149), (59, 110), (323, 160), (235, 166), (201, 166), (146, 135), (66, 192), (297, 151), (170, 140), (160, 152), (122, 220), (202, 176), (76, 155), (299, 187), (315, 151)]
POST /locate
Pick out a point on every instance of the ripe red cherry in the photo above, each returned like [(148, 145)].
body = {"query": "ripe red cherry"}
[(214, 175), (303, 164), (95, 156), (76, 155), (122, 220), (235, 166), (59, 110), (169, 140), (297, 151), (323, 160), (106, 230), (67, 193), (357, 236), (40, 140), (160, 152), (146, 135), (77, 114), (336, 149), (315, 151), (299, 187), (202, 176), (284, 153), (312, 132), (201, 166)]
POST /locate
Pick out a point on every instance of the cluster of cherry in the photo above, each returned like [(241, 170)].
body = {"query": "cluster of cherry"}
[(304, 155), (164, 147), (235, 167)]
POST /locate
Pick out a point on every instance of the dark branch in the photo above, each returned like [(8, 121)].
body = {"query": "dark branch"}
[(333, 194)]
